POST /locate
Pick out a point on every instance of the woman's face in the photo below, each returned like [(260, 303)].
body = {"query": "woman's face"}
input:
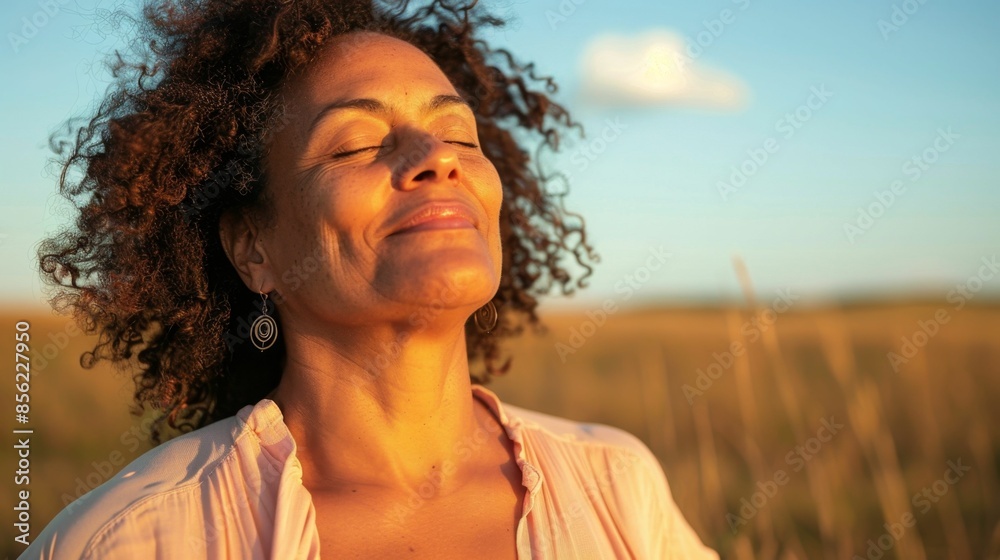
[(382, 202)]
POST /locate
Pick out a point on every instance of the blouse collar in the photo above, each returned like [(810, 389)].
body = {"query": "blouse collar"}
[(531, 476), (266, 421)]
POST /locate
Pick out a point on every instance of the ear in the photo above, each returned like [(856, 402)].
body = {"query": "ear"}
[(239, 235)]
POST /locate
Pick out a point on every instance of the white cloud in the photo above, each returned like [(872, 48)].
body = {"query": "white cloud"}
[(654, 69)]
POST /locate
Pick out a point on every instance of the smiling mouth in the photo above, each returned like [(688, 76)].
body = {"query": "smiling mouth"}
[(437, 217), (438, 223)]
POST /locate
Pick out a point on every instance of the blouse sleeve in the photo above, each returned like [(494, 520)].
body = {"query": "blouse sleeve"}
[(669, 533), (650, 514)]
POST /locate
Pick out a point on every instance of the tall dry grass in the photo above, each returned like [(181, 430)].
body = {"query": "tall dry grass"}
[(901, 428)]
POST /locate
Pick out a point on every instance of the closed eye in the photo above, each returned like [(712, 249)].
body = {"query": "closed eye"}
[(346, 153)]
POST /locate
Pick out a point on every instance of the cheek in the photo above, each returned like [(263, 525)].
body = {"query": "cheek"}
[(496, 200), (295, 250), (339, 216), (489, 188), (301, 234), (352, 206), (492, 198), (341, 202), (319, 249)]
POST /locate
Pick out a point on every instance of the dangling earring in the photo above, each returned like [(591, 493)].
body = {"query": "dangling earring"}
[(486, 317), (263, 331)]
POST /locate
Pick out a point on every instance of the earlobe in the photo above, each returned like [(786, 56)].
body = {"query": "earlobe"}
[(239, 237)]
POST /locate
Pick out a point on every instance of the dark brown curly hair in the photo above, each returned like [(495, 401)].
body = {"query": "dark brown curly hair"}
[(180, 137)]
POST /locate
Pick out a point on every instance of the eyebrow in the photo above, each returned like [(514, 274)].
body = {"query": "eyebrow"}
[(377, 107)]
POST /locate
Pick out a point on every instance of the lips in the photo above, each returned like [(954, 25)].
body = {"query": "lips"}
[(437, 215)]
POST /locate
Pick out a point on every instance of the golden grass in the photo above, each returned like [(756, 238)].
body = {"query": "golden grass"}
[(900, 427)]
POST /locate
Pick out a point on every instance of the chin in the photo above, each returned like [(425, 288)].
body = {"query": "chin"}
[(449, 278)]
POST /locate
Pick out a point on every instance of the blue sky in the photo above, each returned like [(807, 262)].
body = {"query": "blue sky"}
[(928, 87)]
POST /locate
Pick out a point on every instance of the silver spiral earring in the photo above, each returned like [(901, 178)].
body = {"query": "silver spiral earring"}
[(486, 317), (264, 330)]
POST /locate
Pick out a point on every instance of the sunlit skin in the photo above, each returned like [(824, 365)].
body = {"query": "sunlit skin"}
[(376, 390)]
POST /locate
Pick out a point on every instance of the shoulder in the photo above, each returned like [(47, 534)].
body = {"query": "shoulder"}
[(562, 441), (604, 462), (582, 434), (557, 428), (622, 471), (168, 471)]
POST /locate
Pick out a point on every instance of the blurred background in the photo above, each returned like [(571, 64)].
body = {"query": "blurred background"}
[(798, 301)]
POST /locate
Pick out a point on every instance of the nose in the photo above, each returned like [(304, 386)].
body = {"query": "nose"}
[(427, 160)]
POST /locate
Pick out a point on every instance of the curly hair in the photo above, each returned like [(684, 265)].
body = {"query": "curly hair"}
[(180, 137)]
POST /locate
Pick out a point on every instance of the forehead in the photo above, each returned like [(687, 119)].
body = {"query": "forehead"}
[(367, 65)]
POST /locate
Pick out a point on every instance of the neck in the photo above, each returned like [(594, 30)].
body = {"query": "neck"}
[(381, 409)]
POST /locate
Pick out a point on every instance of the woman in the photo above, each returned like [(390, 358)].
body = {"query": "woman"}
[(383, 198)]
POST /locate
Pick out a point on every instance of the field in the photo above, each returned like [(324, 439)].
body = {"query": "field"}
[(865, 430)]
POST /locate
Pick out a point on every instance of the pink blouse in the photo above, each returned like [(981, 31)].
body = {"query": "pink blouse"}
[(234, 490)]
